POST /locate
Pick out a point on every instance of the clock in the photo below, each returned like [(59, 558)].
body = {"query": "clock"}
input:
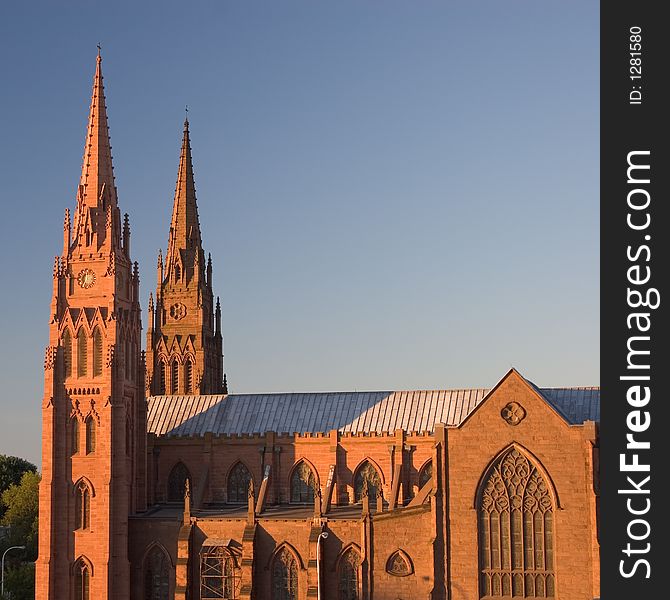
[(86, 278)]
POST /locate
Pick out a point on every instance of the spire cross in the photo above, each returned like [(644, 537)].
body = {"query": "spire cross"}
[(99, 48)]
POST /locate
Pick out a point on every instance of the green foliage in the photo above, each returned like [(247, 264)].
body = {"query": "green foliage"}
[(20, 581), (12, 469), (22, 503)]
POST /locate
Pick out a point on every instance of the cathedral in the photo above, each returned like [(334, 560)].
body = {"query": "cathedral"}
[(158, 485)]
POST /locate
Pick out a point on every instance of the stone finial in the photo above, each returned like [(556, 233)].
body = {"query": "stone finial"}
[(317, 502), (225, 384), (187, 502), (251, 502), (126, 234), (365, 500), (380, 500)]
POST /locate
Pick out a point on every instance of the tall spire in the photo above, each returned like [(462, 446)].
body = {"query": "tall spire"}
[(96, 198), (184, 289), (185, 225), (97, 172)]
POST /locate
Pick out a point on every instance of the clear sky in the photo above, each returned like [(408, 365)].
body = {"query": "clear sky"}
[(396, 195)]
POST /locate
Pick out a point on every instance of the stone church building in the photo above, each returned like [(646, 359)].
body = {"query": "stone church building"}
[(157, 484)]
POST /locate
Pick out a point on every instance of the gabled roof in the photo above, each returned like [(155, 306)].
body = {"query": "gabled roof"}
[(353, 412)]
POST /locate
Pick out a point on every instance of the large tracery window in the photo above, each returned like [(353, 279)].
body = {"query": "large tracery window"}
[(303, 483), (284, 576), (366, 476), (177, 482), (516, 531), (82, 581), (348, 575), (238, 483), (219, 574), (156, 575)]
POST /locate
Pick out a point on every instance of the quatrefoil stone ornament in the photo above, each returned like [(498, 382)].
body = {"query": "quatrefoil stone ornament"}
[(513, 413), (177, 311)]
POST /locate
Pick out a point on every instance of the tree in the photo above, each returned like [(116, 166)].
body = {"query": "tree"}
[(22, 502), (12, 469), (21, 505)]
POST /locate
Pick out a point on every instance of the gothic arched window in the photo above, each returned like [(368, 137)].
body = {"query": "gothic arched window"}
[(238, 483), (82, 516), (82, 353), (82, 580), (74, 435), (162, 368), (366, 476), (284, 576), (426, 474), (97, 352), (175, 377), (303, 483), (348, 566), (156, 575), (177, 482), (516, 530), (219, 575), (90, 435), (67, 352), (188, 377)]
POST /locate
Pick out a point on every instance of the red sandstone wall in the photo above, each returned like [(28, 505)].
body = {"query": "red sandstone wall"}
[(563, 450)]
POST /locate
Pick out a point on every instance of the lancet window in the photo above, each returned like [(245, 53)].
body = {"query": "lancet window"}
[(284, 576), (303, 483), (219, 574), (348, 567), (156, 575), (238, 483), (366, 477), (177, 482)]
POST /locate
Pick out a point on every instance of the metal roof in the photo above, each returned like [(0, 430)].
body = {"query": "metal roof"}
[(353, 412), (575, 404)]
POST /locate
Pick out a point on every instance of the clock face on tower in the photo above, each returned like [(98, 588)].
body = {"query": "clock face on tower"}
[(86, 278)]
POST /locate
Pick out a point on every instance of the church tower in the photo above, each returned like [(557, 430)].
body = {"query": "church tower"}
[(93, 411), (184, 342)]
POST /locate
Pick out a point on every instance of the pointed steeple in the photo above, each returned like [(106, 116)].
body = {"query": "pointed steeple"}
[(96, 197), (185, 243), (97, 169), (184, 288)]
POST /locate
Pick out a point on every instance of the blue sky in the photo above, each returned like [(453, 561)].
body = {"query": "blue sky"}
[(396, 195)]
